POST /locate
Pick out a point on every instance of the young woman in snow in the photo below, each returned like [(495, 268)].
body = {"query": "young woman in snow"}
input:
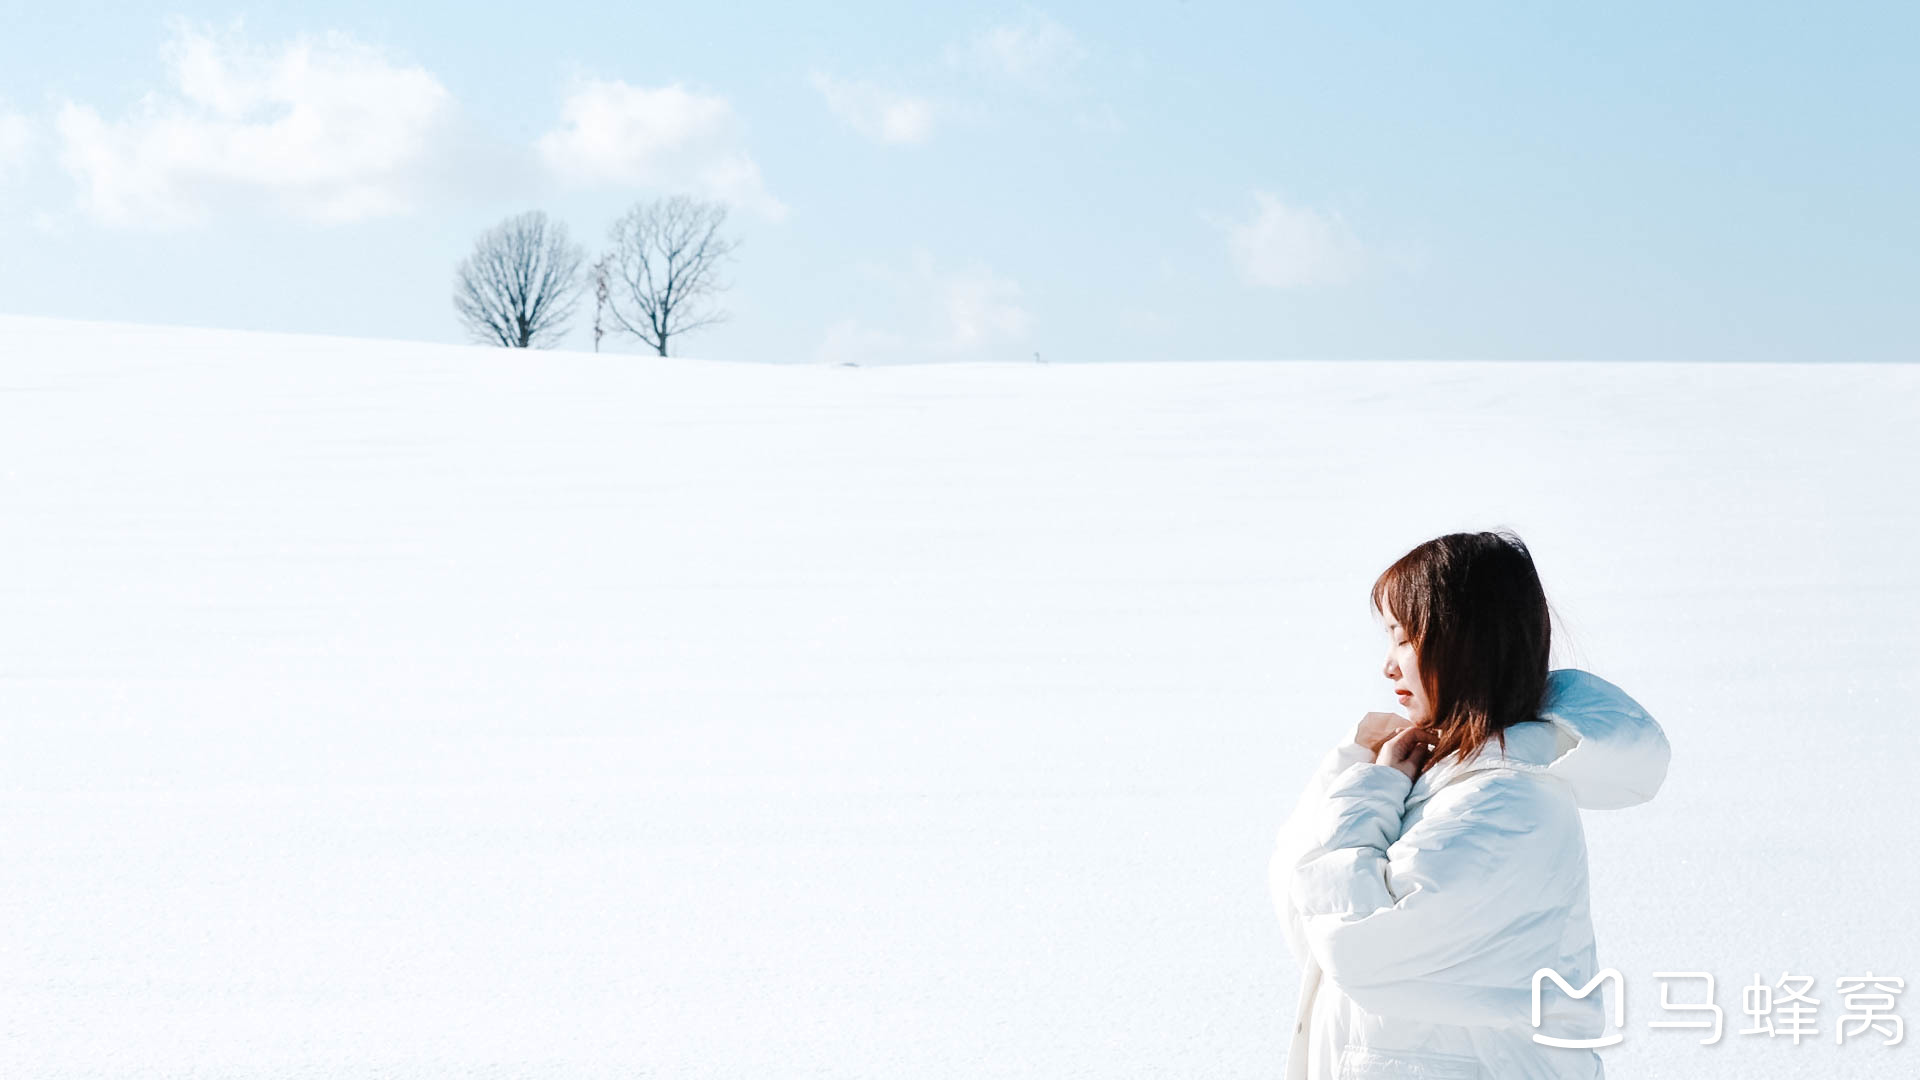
[(1436, 861)]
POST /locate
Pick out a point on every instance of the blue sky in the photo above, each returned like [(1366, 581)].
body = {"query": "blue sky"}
[(1084, 181)]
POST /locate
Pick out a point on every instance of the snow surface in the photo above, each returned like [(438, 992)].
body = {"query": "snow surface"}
[(400, 710)]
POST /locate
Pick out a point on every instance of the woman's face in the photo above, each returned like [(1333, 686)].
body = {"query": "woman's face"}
[(1403, 670)]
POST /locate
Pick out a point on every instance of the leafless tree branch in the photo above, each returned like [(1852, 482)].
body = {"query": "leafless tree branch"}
[(521, 284), (602, 292), (663, 269)]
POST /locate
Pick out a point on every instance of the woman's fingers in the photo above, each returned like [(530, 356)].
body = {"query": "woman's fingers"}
[(1394, 748), (1377, 727), (1407, 750)]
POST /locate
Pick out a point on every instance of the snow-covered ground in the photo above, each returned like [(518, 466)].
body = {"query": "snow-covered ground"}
[(384, 709)]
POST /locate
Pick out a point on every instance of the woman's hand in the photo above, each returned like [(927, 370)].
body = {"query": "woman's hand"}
[(1406, 751), (1377, 727)]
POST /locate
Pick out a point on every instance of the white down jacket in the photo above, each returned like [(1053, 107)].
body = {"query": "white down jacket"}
[(1419, 912)]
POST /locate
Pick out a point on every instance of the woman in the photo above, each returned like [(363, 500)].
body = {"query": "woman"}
[(1436, 862)]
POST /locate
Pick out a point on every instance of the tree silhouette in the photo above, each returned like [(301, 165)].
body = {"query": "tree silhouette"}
[(521, 284), (663, 267)]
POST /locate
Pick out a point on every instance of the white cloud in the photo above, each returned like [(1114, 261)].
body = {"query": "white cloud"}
[(16, 142), (1036, 51), (1102, 118), (875, 112), (1286, 247), (850, 341), (326, 127), (969, 313), (1144, 321), (665, 138), (981, 308), (1034, 62)]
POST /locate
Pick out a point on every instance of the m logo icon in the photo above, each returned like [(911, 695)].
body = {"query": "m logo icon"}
[(1619, 1007)]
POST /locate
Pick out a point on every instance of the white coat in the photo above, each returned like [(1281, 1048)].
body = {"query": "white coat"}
[(1420, 911)]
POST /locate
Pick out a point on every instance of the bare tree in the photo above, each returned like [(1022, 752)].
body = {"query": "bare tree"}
[(663, 267), (601, 292), (520, 286)]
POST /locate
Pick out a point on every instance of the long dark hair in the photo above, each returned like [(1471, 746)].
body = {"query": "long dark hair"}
[(1474, 610)]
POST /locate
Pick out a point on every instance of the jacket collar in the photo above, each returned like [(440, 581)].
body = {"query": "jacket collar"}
[(1589, 733), (1531, 746)]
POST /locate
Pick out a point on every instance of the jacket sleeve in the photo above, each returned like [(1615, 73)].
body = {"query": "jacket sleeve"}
[(1448, 922), (1295, 838)]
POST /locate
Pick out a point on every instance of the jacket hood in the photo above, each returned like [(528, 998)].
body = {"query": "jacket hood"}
[(1590, 734)]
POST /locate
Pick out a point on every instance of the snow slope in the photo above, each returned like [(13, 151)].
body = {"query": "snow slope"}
[(383, 709)]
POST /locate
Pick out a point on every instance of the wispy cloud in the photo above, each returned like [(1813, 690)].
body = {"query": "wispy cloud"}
[(877, 113), (980, 308), (1035, 65), (16, 142), (1008, 69), (851, 341), (326, 127), (1035, 51), (1285, 247), (666, 138), (945, 314)]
